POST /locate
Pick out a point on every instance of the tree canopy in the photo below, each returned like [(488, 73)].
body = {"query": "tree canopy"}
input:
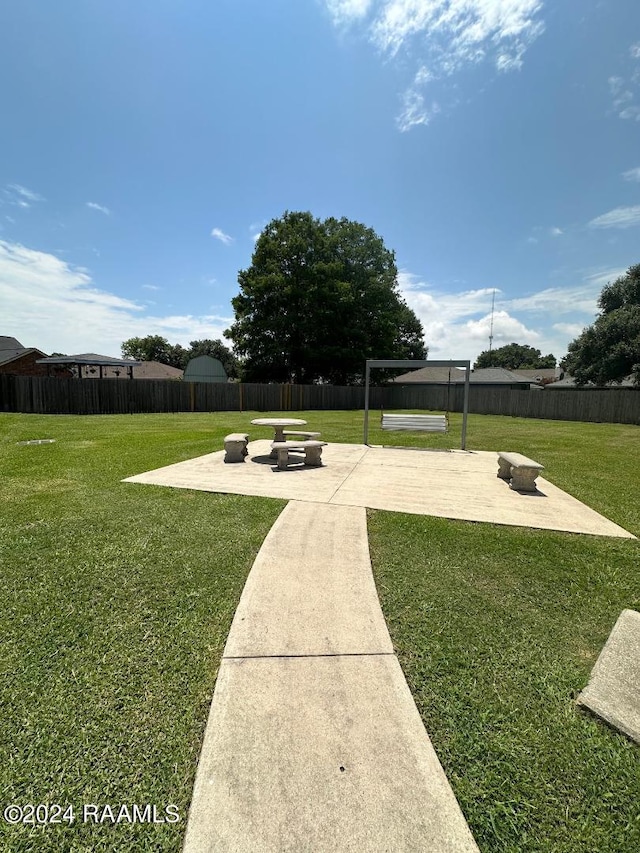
[(515, 357), (157, 348), (319, 298), (609, 349)]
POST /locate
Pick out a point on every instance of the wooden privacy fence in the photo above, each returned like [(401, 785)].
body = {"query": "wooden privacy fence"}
[(45, 395)]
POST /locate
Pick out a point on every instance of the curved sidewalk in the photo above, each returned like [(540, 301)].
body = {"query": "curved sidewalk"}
[(313, 741)]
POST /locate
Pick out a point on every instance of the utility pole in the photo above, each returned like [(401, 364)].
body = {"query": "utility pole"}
[(493, 303)]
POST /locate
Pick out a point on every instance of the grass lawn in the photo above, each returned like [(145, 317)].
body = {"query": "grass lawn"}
[(118, 599)]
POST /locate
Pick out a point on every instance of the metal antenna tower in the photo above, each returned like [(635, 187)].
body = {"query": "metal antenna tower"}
[(493, 303)]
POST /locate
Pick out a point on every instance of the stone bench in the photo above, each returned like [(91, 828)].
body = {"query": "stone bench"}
[(520, 470), (235, 445), (312, 451), (423, 423), (309, 436)]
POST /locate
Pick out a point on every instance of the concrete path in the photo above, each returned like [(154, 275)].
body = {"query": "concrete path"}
[(313, 741), (453, 484), (613, 691)]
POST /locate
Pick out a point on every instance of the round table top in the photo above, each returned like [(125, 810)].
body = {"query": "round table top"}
[(278, 422)]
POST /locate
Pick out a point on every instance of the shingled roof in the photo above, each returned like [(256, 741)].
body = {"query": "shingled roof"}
[(440, 375), (11, 348)]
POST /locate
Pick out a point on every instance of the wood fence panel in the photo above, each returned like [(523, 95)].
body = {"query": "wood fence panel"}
[(49, 395)]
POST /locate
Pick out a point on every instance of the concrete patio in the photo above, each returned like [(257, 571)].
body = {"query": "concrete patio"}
[(450, 484)]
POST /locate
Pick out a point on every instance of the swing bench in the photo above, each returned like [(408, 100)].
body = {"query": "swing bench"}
[(421, 423)]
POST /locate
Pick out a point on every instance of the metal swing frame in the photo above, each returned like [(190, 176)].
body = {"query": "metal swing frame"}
[(413, 363)]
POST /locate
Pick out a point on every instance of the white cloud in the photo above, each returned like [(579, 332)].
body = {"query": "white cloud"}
[(94, 206), (415, 111), (505, 330), (345, 12), (150, 287), (620, 217), (458, 324), (624, 91), (602, 277), (444, 36), (458, 32), (256, 229), (66, 312), (219, 234), (632, 112), (632, 174), (558, 300), (569, 330), (556, 232), (19, 196)]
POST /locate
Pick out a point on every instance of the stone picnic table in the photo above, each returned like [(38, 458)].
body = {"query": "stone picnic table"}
[(278, 424)]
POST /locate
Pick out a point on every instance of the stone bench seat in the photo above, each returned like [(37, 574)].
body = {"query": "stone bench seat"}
[(309, 436), (312, 451), (235, 446), (520, 470)]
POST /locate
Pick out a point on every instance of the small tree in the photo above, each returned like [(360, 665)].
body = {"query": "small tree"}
[(151, 348), (609, 349), (319, 299), (515, 357)]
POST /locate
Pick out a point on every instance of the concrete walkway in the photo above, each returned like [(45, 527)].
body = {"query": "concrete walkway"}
[(313, 741)]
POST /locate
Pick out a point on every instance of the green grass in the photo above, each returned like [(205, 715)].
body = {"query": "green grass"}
[(118, 599), (497, 629)]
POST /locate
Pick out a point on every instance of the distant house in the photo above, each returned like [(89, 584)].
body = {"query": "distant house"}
[(90, 365), (20, 360), (486, 376), (542, 375), (156, 370), (569, 382)]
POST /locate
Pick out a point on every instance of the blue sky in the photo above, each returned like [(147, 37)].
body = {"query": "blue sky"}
[(490, 143)]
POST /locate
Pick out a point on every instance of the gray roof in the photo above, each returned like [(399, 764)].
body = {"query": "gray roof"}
[(11, 348), (90, 358), (10, 343), (157, 370), (569, 382), (540, 373), (489, 375)]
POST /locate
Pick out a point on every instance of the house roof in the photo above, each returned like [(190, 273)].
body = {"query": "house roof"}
[(156, 370), (569, 382), (90, 358), (11, 349), (10, 343), (488, 375), (540, 373)]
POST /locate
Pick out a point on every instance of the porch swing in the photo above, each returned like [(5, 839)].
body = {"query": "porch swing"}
[(422, 423)]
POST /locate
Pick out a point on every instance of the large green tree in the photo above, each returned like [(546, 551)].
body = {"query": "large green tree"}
[(609, 349), (319, 298), (515, 357)]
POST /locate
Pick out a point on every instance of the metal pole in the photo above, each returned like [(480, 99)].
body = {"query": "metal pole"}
[(465, 408), (366, 403)]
